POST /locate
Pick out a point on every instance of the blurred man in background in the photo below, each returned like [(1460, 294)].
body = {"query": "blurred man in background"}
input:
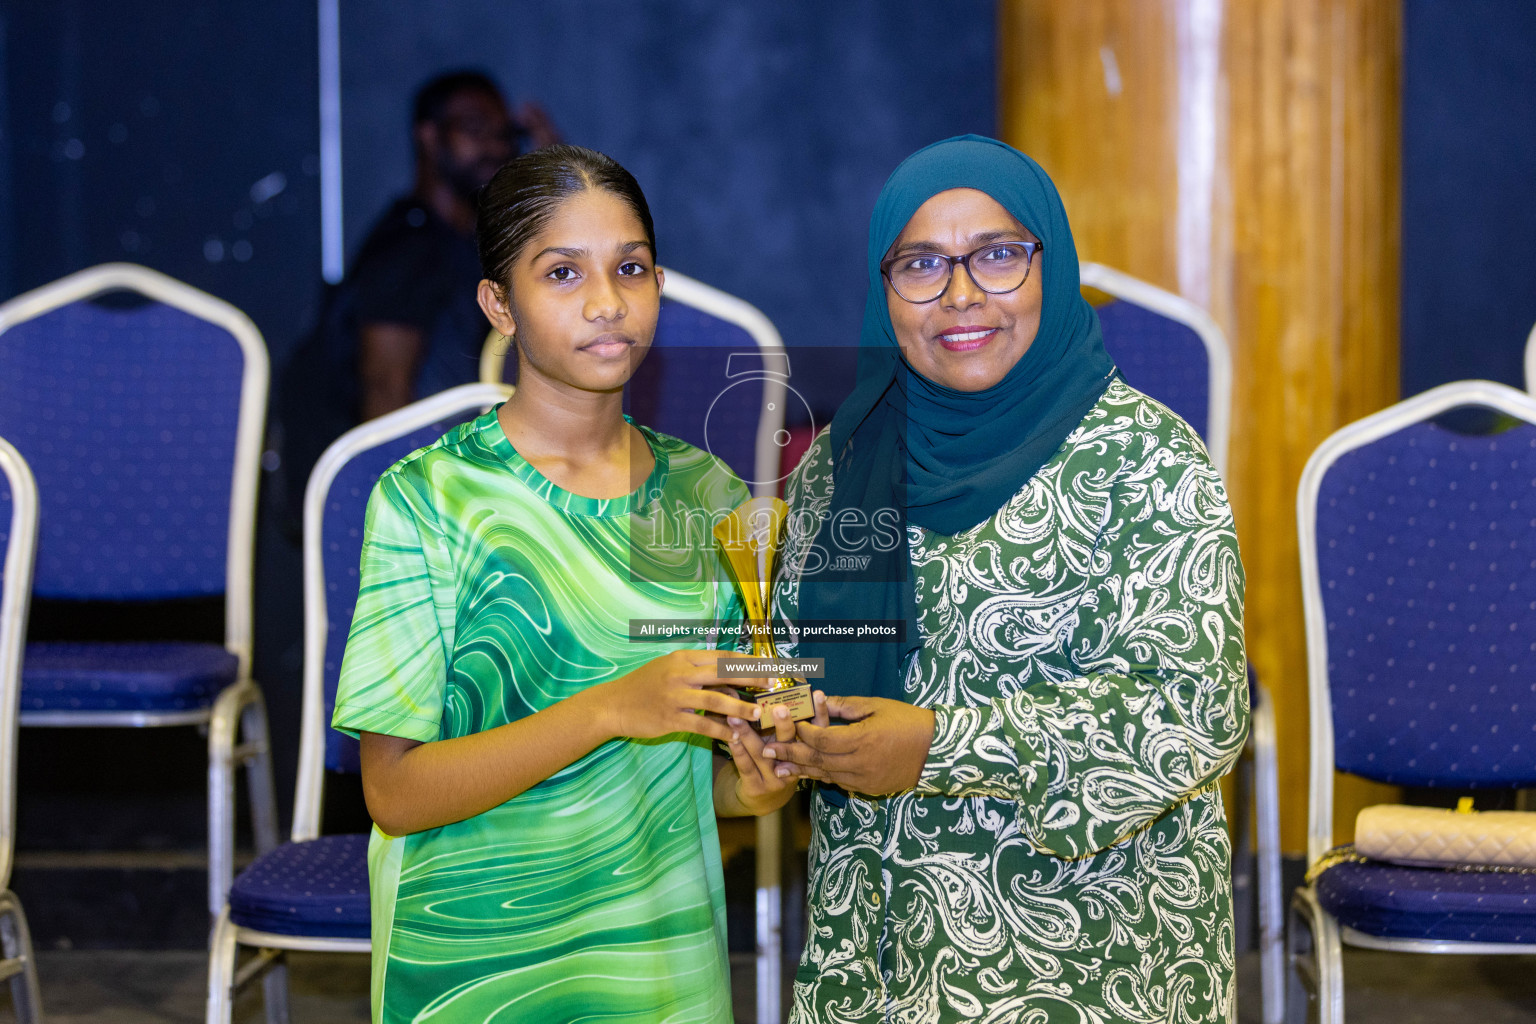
[(404, 323)]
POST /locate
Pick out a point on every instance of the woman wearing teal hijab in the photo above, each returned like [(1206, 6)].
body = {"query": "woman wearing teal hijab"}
[(1017, 817)]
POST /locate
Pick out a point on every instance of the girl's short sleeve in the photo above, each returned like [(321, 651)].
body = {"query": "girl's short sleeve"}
[(394, 672)]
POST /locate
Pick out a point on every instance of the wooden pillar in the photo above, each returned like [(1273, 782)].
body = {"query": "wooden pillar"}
[(1245, 154)]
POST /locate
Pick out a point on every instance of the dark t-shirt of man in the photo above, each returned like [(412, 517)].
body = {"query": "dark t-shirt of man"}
[(413, 270)]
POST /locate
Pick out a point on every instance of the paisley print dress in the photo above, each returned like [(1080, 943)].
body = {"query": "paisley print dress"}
[(1064, 856)]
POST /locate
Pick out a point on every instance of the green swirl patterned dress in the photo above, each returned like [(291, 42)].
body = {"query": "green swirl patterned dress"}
[(1064, 857), (488, 593)]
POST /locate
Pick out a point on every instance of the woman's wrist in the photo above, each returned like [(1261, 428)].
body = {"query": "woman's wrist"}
[(595, 706), (727, 792)]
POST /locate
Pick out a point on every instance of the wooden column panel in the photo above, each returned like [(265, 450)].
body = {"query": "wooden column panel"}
[(1085, 92), (1283, 120)]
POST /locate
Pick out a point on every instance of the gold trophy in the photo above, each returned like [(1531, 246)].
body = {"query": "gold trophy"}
[(750, 536)]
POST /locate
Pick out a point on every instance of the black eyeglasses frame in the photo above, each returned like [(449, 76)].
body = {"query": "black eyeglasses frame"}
[(964, 260)]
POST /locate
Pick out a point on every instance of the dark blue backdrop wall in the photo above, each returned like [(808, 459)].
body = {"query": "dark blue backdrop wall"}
[(178, 135), (185, 136), (1469, 190), (761, 132)]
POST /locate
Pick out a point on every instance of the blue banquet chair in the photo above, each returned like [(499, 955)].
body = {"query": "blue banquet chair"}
[(718, 376), (1419, 581), (1171, 349), (18, 544), (311, 893), (142, 422)]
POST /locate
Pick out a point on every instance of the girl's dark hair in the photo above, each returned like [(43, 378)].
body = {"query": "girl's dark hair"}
[(516, 204)]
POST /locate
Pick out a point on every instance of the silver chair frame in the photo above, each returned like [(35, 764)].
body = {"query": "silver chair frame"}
[(17, 962), (1530, 361), (224, 979), (1320, 967), (1120, 285), (236, 722)]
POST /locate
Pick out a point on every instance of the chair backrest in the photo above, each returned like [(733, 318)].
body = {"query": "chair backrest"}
[(334, 505), (18, 544), (717, 376), (142, 422), (1169, 348), (1418, 553)]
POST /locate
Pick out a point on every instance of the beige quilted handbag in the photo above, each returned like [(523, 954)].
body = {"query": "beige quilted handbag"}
[(1431, 837)]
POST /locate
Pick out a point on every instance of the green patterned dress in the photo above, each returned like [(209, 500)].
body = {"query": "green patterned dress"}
[(1064, 857), (488, 593)]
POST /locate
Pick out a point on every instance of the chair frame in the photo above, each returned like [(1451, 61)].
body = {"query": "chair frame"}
[(17, 962), (1530, 361), (223, 978), (1120, 285), (679, 287), (1328, 936), (240, 704), (1266, 770)]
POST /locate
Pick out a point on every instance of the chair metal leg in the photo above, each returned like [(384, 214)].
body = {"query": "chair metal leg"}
[(1271, 904), (258, 780), (1318, 969), (258, 776), (1300, 959), (275, 990), (221, 971), (238, 705), (16, 944), (770, 832), (1245, 899)]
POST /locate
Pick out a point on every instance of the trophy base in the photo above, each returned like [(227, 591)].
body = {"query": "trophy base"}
[(794, 699)]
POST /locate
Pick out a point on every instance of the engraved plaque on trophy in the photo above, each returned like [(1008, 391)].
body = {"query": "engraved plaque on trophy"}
[(750, 538)]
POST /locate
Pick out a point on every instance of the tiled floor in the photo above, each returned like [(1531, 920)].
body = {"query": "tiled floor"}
[(117, 987), (170, 987)]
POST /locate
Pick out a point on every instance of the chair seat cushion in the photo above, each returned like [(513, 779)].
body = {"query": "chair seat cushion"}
[(317, 888), (1391, 901), (124, 676)]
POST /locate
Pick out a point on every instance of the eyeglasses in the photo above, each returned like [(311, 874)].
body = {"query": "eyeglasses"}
[(996, 268)]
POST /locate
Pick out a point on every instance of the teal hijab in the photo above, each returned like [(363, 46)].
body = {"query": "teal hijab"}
[(908, 450)]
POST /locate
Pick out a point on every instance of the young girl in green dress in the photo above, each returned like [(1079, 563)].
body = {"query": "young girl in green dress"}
[(543, 788)]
